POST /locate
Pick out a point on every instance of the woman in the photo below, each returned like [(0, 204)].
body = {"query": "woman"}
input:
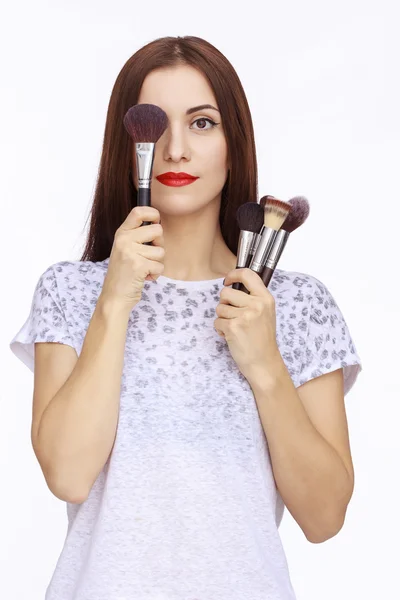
[(172, 414)]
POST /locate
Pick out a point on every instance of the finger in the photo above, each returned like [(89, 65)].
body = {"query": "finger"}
[(155, 268), (226, 311), (219, 326), (159, 240), (150, 252), (235, 297), (147, 233), (138, 215), (250, 279)]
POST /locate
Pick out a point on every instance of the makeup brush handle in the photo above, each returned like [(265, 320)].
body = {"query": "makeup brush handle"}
[(266, 275), (243, 288), (144, 199), (236, 285)]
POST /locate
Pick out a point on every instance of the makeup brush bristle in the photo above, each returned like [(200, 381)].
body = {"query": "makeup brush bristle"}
[(264, 199), (250, 217), (298, 215), (145, 123), (275, 213)]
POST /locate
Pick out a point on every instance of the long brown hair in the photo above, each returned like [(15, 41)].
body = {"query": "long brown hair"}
[(115, 195)]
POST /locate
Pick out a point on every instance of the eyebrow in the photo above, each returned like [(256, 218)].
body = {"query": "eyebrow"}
[(197, 108)]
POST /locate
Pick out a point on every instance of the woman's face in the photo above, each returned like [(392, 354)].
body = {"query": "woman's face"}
[(190, 144)]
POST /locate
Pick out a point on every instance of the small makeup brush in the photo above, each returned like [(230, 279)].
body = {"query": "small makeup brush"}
[(297, 216), (250, 218), (275, 213), (145, 123)]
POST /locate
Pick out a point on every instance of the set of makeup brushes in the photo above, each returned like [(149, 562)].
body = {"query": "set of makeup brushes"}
[(265, 226)]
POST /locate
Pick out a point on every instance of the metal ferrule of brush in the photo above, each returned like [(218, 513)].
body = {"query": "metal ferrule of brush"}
[(254, 246), (267, 239), (144, 162), (246, 243), (277, 249)]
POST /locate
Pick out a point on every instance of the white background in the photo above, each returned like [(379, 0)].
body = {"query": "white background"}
[(322, 81)]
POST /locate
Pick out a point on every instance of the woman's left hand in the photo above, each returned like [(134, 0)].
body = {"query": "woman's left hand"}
[(248, 323)]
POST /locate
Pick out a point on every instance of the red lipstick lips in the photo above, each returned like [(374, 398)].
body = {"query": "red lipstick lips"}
[(176, 179)]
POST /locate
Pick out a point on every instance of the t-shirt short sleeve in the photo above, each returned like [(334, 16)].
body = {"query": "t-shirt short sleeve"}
[(329, 345), (46, 321)]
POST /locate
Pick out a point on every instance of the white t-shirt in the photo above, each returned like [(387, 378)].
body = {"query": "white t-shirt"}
[(186, 506)]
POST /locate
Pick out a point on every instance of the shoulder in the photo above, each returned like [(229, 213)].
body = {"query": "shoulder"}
[(73, 284), (74, 287), (297, 285), (78, 268), (304, 301), (66, 274)]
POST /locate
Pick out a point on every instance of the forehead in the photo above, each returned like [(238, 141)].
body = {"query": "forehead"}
[(175, 89)]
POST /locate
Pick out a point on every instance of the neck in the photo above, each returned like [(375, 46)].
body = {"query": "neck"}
[(194, 247)]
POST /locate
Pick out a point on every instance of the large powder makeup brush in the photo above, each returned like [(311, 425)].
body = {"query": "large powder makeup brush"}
[(297, 216), (145, 123), (250, 218)]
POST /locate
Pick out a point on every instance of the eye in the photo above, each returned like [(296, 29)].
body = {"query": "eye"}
[(203, 120)]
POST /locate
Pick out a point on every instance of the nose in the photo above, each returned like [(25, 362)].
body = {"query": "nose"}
[(176, 146)]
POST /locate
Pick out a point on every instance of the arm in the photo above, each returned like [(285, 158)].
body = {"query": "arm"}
[(306, 429), (74, 431), (309, 446)]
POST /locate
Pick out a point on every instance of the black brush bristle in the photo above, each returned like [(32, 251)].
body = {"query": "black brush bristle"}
[(145, 123), (250, 217), (298, 214)]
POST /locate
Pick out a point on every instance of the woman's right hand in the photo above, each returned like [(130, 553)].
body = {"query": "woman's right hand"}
[(131, 261)]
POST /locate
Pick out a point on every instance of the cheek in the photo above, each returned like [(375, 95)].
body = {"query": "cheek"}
[(215, 160)]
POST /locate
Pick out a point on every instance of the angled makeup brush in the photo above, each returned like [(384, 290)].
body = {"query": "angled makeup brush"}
[(275, 213), (145, 123), (297, 216), (264, 199), (250, 218)]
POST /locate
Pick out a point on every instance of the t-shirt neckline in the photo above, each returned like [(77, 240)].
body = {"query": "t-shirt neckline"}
[(162, 279)]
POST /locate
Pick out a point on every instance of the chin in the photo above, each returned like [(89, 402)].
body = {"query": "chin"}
[(175, 208), (179, 203)]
